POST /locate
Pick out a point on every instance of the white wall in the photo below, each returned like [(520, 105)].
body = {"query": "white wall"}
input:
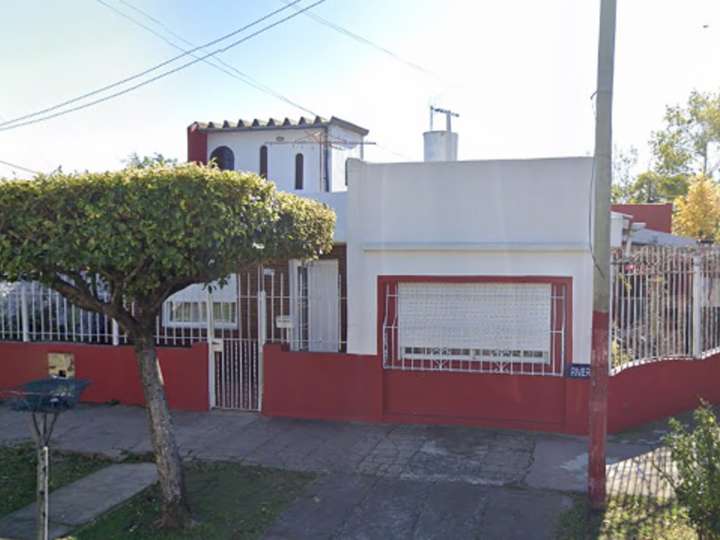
[(514, 218), (340, 153), (338, 202), (246, 144), (281, 157)]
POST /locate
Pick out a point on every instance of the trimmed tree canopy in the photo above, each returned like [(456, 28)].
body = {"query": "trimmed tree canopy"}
[(149, 232), (106, 240)]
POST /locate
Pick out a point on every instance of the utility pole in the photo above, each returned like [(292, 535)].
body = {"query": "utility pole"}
[(602, 173)]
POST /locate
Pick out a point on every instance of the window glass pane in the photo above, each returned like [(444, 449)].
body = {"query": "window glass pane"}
[(299, 171), (263, 161)]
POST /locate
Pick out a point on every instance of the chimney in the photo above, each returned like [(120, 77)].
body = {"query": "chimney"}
[(441, 145)]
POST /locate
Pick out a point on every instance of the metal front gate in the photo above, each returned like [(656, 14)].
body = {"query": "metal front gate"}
[(236, 353), (299, 305), (237, 374)]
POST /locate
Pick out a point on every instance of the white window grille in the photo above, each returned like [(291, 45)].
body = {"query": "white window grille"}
[(188, 308), (195, 313), (495, 327)]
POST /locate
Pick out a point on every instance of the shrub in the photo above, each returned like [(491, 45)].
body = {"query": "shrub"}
[(696, 454)]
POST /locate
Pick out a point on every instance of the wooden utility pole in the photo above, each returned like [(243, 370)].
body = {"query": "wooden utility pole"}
[(602, 174)]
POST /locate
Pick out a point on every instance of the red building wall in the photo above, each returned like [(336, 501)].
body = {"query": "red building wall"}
[(197, 144), (113, 372), (657, 217)]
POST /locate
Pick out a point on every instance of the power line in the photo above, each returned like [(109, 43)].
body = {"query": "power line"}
[(228, 69), (19, 167), (149, 70), (321, 20), (164, 74)]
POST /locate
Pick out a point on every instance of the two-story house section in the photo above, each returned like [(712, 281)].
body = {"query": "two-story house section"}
[(303, 156)]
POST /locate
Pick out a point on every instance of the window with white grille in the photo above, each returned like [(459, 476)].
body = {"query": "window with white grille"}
[(189, 307), (474, 326)]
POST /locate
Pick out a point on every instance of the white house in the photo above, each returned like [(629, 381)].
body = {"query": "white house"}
[(515, 230)]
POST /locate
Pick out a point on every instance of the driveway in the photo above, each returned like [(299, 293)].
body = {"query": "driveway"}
[(379, 480)]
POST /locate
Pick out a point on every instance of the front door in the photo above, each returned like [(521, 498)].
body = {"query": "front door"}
[(317, 306)]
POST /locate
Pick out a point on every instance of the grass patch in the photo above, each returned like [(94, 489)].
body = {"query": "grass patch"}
[(228, 501), (18, 470), (640, 518)]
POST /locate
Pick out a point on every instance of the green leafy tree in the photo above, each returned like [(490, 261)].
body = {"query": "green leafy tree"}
[(142, 162), (696, 454), (653, 187), (138, 235), (681, 150), (624, 160), (683, 147)]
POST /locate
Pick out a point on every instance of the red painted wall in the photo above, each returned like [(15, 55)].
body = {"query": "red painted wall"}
[(329, 386), (506, 401), (655, 390), (113, 372), (197, 144), (351, 387), (658, 217)]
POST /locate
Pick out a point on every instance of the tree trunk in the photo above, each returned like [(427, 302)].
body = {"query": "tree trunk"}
[(175, 510)]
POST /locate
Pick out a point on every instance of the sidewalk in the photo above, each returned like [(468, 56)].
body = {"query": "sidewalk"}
[(450, 478), (410, 452), (82, 501)]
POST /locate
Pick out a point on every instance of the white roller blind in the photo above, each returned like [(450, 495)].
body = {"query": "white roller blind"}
[(475, 319)]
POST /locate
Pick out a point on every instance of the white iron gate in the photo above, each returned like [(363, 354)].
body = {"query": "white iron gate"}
[(299, 305), (237, 374), (236, 354)]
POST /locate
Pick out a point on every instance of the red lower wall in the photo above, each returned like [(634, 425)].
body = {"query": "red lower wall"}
[(659, 389), (492, 400), (113, 372), (350, 387), (321, 385)]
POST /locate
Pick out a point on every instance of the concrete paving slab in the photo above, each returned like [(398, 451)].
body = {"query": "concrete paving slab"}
[(519, 514), (362, 507), (82, 501), (561, 464)]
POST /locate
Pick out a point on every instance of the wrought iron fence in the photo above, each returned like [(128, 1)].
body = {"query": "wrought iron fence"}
[(294, 316), (665, 304)]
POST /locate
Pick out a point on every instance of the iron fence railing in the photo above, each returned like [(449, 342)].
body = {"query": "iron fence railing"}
[(665, 304)]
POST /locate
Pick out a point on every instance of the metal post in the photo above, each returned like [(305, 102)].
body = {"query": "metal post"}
[(24, 318), (262, 338), (211, 349), (602, 174), (115, 333), (43, 495), (697, 297)]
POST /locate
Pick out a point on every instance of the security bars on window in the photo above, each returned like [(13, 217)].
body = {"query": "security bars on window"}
[(513, 328)]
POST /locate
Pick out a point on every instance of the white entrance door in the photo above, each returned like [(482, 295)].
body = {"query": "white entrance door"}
[(317, 306)]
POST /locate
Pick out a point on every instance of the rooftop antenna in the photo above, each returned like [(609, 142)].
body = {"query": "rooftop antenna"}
[(448, 116), (441, 145)]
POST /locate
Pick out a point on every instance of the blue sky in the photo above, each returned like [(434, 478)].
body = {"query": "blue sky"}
[(520, 73)]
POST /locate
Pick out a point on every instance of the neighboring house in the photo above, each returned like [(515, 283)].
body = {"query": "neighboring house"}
[(645, 225)]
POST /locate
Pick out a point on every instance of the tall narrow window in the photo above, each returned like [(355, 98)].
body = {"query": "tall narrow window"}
[(263, 161), (223, 158), (299, 171)]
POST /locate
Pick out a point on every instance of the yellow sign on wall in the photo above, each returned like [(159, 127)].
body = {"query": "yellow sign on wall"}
[(61, 365)]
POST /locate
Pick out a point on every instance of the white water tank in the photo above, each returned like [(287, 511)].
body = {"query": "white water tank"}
[(440, 145)]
